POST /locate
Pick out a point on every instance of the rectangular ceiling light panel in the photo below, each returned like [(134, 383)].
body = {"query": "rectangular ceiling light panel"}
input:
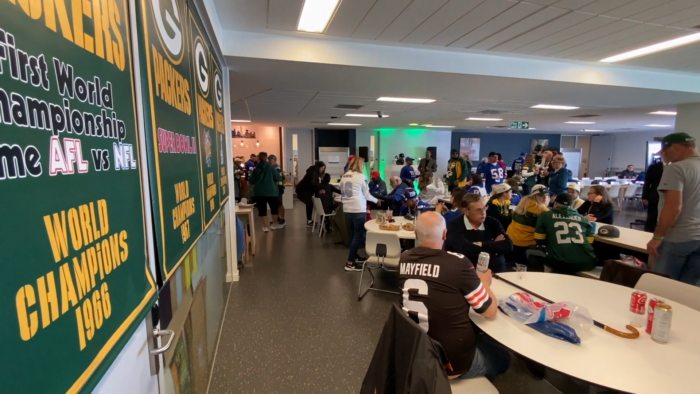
[(406, 100), (316, 15), (550, 106)]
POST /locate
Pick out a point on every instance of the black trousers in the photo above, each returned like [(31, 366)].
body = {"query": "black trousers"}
[(652, 218)]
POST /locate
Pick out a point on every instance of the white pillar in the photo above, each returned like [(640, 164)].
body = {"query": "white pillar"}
[(688, 119)]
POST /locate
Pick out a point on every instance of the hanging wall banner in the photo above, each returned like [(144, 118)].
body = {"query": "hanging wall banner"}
[(220, 126), (75, 281), (208, 140), (171, 129)]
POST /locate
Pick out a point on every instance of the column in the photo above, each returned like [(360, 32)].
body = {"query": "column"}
[(688, 119)]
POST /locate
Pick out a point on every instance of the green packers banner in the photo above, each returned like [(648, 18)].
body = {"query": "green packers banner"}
[(219, 125), (75, 281), (171, 129), (208, 141)]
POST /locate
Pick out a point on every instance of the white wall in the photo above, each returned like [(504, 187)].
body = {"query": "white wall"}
[(362, 138), (306, 149), (631, 148), (413, 143)]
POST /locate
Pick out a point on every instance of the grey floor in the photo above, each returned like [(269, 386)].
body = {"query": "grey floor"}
[(293, 324)]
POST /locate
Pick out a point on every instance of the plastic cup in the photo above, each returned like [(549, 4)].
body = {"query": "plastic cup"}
[(521, 269)]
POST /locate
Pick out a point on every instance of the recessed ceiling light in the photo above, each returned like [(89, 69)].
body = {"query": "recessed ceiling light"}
[(430, 125), (344, 124), (578, 122), (591, 130), (240, 121), (662, 46), (658, 125), (406, 100), (532, 128), (485, 119), (366, 115), (670, 113), (413, 124), (316, 15), (550, 106)]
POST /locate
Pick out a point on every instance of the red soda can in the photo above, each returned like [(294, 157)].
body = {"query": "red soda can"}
[(650, 316), (638, 302)]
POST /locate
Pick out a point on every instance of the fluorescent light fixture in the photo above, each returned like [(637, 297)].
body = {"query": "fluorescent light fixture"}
[(485, 119), (316, 15), (344, 124), (240, 121), (670, 113), (550, 106), (658, 125), (413, 124), (591, 130), (366, 115), (406, 100), (662, 46), (577, 122), (430, 125)]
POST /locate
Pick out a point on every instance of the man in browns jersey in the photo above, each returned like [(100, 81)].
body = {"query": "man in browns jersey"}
[(438, 290)]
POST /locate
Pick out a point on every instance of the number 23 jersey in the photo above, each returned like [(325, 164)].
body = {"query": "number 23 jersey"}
[(569, 235), (439, 288)]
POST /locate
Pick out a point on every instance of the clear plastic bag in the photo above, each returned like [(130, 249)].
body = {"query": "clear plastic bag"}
[(562, 320), (633, 261)]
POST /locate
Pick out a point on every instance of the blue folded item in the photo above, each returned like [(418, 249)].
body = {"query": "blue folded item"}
[(556, 330)]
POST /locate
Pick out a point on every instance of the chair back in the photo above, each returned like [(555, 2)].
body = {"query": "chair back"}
[(318, 206), (614, 191), (630, 191), (673, 290), (388, 244), (584, 192), (586, 182), (598, 178)]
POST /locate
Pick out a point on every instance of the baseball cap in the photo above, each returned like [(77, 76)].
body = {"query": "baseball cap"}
[(500, 188), (374, 174), (573, 185), (351, 157), (564, 199), (675, 138), (538, 148), (523, 153), (539, 189), (409, 159), (272, 157), (454, 151), (410, 194)]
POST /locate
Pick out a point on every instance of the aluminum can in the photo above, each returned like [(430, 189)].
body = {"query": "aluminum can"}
[(483, 264), (638, 303), (661, 330), (650, 312)]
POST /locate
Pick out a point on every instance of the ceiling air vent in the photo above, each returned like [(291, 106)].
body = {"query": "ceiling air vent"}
[(348, 106), (585, 116), (490, 112)]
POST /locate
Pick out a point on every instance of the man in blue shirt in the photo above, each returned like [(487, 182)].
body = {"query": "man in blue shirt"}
[(518, 163), (412, 204), (377, 187), (407, 172), (494, 172), (250, 164)]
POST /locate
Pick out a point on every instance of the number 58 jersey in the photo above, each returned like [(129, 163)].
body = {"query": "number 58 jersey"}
[(438, 290), (569, 235)]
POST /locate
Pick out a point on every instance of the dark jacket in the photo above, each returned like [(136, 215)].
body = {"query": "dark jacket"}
[(558, 181), (406, 360), (461, 240), (308, 184), (651, 182), (602, 214), (427, 165), (325, 193), (377, 188), (265, 178), (501, 213)]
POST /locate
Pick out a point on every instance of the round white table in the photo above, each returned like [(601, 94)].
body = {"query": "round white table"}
[(373, 227), (631, 365)]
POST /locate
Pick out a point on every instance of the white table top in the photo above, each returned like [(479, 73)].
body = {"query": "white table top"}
[(373, 226), (629, 239), (632, 365)]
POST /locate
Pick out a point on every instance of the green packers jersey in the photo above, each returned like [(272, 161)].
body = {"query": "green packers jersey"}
[(568, 236)]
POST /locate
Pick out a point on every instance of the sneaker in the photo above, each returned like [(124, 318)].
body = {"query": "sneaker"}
[(357, 266), (265, 229), (281, 222), (309, 223), (277, 226)]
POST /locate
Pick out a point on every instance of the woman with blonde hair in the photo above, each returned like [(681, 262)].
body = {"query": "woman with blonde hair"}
[(429, 192), (522, 229)]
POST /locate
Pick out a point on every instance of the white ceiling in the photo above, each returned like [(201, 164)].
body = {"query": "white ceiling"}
[(581, 30), (297, 94)]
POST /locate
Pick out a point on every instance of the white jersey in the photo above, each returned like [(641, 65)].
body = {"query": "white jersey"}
[(355, 192)]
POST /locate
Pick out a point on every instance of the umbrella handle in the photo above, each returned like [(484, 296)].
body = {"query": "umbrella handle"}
[(634, 334)]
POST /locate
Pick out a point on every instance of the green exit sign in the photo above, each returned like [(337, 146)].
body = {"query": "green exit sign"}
[(520, 125)]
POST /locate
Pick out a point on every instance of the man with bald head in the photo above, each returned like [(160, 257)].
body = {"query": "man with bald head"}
[(395, 198), (438, 289)]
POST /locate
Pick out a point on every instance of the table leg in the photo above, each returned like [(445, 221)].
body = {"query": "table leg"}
[(251, 219)]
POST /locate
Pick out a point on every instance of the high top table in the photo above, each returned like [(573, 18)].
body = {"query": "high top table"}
[(631, 365)]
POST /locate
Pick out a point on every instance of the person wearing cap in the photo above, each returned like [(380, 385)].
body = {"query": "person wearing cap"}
[(458, 171), (567, 236), (498, 206), (377, 187), (494, 174), (518, 163), (429, 191), (559, 176), (522, 229), (412, 204), (676, 239), (280, 185), (408, 174), (427, 164), (574, 191), (345, 169), (475, 232)]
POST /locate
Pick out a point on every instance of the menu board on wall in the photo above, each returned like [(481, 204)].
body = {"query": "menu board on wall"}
[(75, 279), (171, 129), (219, 125), (208, 139)]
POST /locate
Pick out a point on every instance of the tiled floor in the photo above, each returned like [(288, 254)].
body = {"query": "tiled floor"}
[(293, 324)]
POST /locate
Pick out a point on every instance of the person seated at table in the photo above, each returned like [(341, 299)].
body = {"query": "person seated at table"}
[(559, 177), (475, 232), (477, 185), (439, 301), (412, 204), (515, 187), (628, 173), (394, 200), (377, 187), (599, 207), (429, 191), (567, 236), (325, 194), (408, 174), (455, 201), (498, 206), (522, 229), (574, 191)]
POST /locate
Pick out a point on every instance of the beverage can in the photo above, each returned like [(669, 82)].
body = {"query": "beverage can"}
[(482, 264), (638, 303), (650, 312), (661, 329)]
